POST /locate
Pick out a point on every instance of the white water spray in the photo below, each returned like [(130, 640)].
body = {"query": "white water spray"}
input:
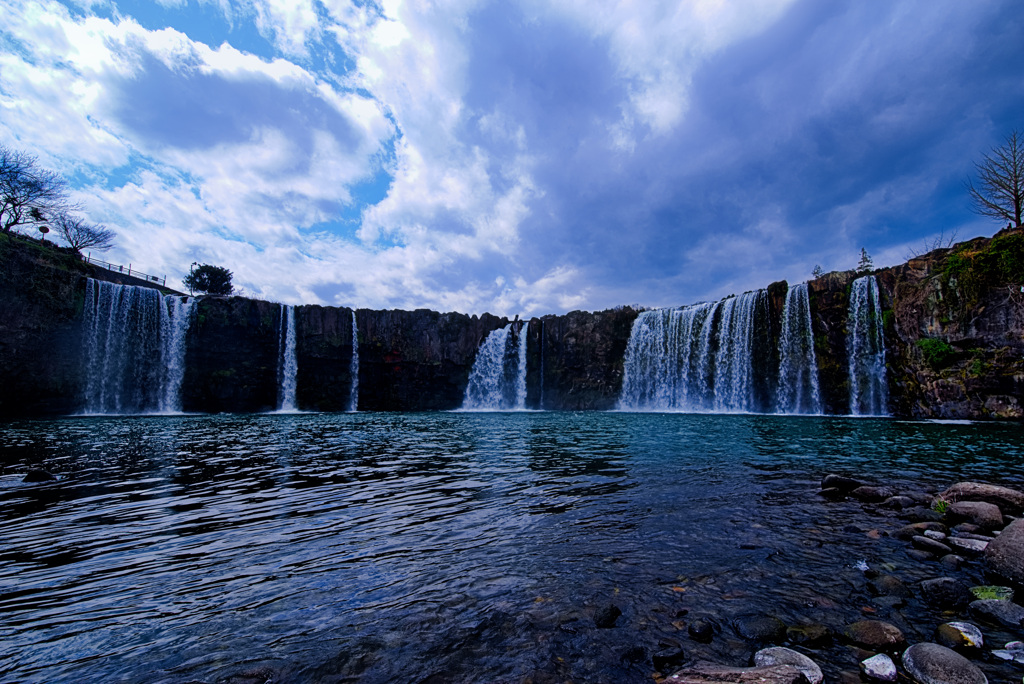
[(497, 381), (798, 390), (353, 395), (869, 388), (288, 364)]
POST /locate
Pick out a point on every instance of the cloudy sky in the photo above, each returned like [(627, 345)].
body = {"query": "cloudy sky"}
[(516, 156)]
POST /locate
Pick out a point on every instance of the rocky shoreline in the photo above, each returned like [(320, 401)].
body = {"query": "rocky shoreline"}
[(954, 537)]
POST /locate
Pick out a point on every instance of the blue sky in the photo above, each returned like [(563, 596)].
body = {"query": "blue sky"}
[(518, 157)]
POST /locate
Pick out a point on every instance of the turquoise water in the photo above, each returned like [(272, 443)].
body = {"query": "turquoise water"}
[(445, 547)]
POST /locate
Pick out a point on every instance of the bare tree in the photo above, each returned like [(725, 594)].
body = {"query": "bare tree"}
[(80, 234), (28, 194), (1000, 191)]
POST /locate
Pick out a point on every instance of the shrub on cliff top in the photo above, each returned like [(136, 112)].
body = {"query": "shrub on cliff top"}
[(999, 263)]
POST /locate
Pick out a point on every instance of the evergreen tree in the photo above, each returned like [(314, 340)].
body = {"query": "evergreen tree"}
[(865, 265)]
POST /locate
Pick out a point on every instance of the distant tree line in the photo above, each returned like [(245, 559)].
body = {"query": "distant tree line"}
[(31, 196)]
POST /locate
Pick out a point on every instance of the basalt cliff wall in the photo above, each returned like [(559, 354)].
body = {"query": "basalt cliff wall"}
[(954, 329)]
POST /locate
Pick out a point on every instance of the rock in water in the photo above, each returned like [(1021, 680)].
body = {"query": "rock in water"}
[(1000, 612), (710, 673), (946, 593), (959, 635), (1005, 554), (980, 513), (843, 484), (760, 628), (606, 617), (875, 635), (1011, 501), (39, 475), (777, 655), (879, 667), (934, 664)]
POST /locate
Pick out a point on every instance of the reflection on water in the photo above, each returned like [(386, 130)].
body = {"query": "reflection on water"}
[(433, 547)]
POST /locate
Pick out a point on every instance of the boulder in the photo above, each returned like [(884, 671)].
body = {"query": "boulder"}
[(1011, 501), (879, 667), (710, 673), (1005, 554), (875, 635), (980, 513), (38, 475), (1000, 612), (959, 635), (762, 629), (935, 664), (946, 593), (778, 655)]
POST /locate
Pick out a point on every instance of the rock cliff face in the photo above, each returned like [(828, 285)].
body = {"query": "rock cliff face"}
[(953, 321)]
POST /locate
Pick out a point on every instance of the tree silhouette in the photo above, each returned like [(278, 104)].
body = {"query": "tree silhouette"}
[(80, 234), (1000, 190), (865, 265), (28, 194), (214, 280)]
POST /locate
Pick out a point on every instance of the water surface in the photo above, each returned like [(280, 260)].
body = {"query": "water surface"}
[(444, 547)]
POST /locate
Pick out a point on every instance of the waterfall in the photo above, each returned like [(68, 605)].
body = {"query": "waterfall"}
[(353, 394), (540, 405), (497, 381), (866, 348), (288, 365), (798, 368), (134, 348), (698, 358)]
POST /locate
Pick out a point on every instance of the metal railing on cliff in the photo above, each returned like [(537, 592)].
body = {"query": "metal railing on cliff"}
[(127, 270)]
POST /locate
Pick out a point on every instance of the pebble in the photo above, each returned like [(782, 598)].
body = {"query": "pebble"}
[(930, 545), (875, 635), (778, 655), (934, 534), (879, 667)]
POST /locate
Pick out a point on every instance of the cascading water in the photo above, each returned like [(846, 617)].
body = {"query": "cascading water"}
[(798, 390), (288, 364), (497, 381), (866, 348), (134, 348), (699, 358), (353, 395)]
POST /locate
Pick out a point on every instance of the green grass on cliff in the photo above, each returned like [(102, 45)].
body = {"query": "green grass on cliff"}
[(974, 270)]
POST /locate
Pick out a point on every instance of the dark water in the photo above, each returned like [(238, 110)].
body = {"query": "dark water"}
[(446, 547)]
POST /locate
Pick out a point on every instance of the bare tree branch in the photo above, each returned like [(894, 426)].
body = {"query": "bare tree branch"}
[(29, 195), (80, 234), (1000, 190)]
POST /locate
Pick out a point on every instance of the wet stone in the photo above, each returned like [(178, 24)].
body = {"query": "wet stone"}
[(959, 635), (869, 494), (898, 503), (669, 655), (984, 515), (880, 668), (606, 617), (778, 655), (875, 635), (889, 585), (1005, 554), (711, 673), (39, 475), (840, 482), (1011, 501), (971, 547), (947, 593), (1000, 612), (952, 561), (966, 528), (763, 629), (930, 545), (832, 494), (919, 555), (935, 664), (934, 534), (702, 629), (921, 514), (809, 636), (908, 532)]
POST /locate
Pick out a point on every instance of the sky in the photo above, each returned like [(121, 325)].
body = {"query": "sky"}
[(518, 156)]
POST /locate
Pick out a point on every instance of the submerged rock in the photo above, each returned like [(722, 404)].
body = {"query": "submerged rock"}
[(778, 655), (702, 629), (972, 547), (879, 667), (908, 532), (840, 482), (710, 673), (959, 635), (875, 635), (930, 545), (946, 593), (606, 617), (39, 475), (870, 494), (952, 561), (809, 636), (935, 664), (760, 628)]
